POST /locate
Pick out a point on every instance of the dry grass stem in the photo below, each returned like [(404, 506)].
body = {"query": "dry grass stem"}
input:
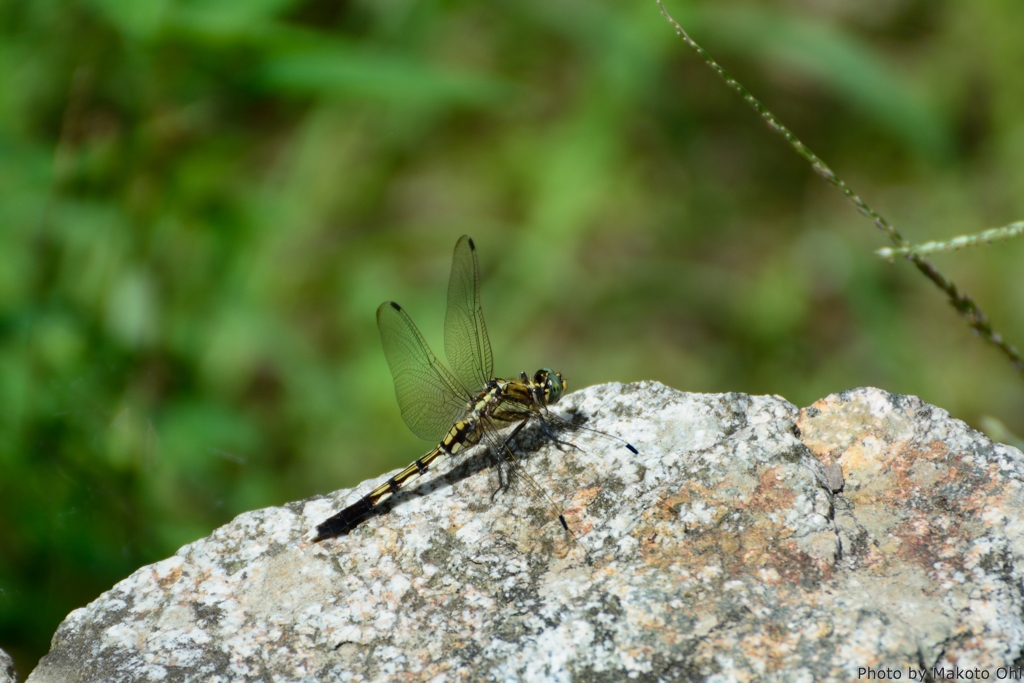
[(962, 302)]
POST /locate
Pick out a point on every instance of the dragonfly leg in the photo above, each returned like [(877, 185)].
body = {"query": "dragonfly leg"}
[(506, 459), (562, 445), (502, 481)]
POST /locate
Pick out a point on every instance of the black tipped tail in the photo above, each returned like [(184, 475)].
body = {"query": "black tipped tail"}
[(632, 450), (344, 521)]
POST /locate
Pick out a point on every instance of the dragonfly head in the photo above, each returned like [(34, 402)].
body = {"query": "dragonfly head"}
[(551, 383)]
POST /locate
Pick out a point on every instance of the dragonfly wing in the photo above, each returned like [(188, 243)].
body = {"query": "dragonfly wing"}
[(430, 397), (465, 335)]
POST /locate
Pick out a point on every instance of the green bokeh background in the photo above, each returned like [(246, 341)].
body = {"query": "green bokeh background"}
[(202, 203)]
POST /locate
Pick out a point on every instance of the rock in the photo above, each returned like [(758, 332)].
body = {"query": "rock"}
[(719, 552), (7, 672)]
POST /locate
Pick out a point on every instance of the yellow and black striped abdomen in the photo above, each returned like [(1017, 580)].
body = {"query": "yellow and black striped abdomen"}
[(462, 434)]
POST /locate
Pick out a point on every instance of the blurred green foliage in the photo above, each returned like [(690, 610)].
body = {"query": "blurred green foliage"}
[(202, 203)]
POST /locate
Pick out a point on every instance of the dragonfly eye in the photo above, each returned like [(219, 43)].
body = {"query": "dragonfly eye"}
[(552, 382)]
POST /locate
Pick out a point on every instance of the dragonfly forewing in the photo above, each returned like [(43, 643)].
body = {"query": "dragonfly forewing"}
[(465, 335)]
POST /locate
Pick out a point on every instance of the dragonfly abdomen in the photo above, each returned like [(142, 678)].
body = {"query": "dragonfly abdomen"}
[(462, 434)]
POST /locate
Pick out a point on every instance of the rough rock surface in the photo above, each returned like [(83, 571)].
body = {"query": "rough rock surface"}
[(720, 552), (7, 672)]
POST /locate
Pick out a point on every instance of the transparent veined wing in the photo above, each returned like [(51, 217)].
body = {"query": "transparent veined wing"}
[(430, 398), (465, 335)]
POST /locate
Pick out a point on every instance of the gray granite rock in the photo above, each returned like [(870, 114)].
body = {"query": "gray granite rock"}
[(718, 553), (7, 672)]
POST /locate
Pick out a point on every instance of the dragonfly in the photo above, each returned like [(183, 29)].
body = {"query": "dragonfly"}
[(461, 407)]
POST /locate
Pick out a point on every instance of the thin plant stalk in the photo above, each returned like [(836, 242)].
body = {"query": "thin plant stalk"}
[(985, 237), (962, 302)]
